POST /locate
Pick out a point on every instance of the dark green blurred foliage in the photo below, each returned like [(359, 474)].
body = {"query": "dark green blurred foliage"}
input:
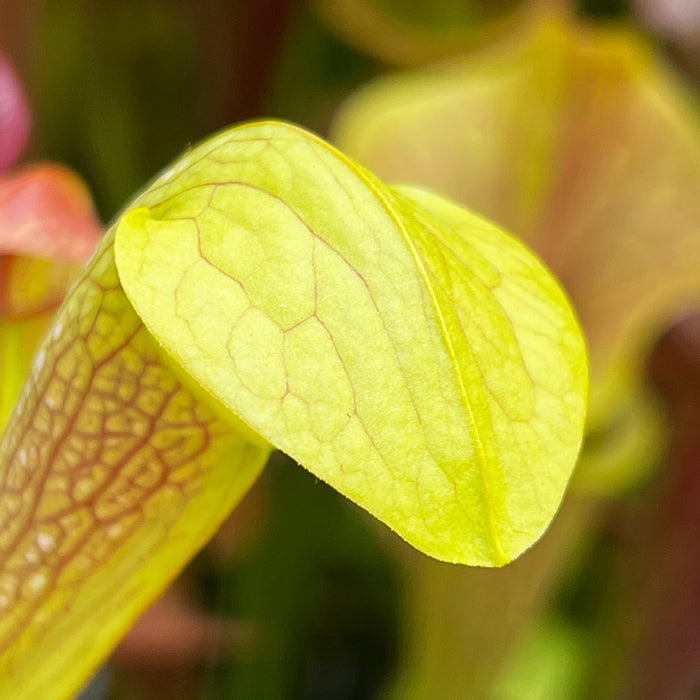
[(604, 8), (115, 90), (324, 593), (315, 72), (120, 88), (445, 14)]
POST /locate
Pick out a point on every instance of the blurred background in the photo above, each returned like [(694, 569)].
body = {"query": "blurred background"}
[(574, 124)]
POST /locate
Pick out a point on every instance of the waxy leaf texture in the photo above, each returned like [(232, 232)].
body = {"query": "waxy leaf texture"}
[(410, 354), (113, 476), (265, 291), (580, 141)]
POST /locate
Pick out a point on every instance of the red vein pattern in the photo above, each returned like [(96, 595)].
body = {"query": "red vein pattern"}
[(104, 440)]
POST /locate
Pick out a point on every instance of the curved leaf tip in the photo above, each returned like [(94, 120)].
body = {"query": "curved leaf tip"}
[(406, 351), (583, 142)]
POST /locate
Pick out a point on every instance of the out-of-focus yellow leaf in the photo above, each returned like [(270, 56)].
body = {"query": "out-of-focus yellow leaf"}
[(582, 143), (411, 32), (626, 450)]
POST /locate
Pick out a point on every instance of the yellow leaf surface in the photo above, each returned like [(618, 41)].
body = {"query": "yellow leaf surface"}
[(579, 141), (405, 351), (266, 291), (112, 475)]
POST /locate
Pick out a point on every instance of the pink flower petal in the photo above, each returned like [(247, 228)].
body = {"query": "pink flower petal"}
[(15, 118), (46, 211)]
